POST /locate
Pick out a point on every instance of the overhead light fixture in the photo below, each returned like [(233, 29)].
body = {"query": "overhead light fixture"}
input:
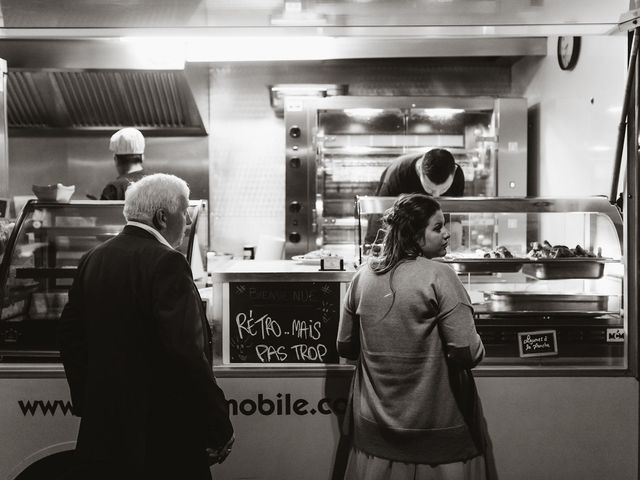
[(277, 93)]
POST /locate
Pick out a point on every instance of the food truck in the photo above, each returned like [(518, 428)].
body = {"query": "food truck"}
[(295, 149)]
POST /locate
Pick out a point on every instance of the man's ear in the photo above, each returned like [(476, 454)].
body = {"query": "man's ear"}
[(160, 220)]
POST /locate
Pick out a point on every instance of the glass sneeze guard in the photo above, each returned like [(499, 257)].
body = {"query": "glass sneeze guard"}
[(535, 268)]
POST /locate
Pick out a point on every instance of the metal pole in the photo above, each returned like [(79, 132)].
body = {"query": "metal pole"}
[(622, 126), (360, 245)]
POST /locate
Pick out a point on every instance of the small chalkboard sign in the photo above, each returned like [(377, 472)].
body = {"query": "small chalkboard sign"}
[(283, 322), (541, 343)]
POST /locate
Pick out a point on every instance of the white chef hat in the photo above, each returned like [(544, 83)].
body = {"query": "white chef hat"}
[(127, 141)]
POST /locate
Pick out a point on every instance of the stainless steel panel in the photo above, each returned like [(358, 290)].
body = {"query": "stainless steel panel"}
[(512, 147), (490, 17), (69, 13), (87, 54), (301, 221)]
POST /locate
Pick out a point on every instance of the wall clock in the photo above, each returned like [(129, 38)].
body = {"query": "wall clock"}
[(568, 52)]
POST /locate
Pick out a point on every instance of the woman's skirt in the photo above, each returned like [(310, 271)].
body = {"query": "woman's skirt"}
[(362, 466)]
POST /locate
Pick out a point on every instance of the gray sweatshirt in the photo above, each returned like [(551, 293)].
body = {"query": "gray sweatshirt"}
[(403, 406)]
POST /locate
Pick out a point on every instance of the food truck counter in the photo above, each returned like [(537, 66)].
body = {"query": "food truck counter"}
[(545, 276), (275, 326), (554, 328), (279, 270)]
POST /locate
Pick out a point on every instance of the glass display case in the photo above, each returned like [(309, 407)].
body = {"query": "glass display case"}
[(545, 275), (40, 260)]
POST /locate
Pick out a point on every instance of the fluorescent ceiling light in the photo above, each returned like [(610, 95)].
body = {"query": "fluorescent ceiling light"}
[(239, 49), (159, 51), (231, 48)]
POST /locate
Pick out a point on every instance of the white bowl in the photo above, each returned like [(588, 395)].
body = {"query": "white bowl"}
[(54, 193)]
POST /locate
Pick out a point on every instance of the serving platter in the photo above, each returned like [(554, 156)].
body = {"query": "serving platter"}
[(484, 265), (566, 267), (546, 302), (540, 268)]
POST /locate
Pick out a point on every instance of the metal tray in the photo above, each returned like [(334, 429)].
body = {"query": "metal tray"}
[(485, 265), (502, 301), (561, 268)]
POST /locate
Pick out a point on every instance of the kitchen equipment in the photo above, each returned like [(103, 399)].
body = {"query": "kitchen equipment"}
[(546, 302), (337, 148), (560, 268)]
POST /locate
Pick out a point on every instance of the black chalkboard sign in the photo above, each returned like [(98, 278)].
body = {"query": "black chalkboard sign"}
[(541, 343), (283, 322)]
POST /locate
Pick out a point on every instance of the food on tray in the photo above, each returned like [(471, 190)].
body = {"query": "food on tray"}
[(316, 254), (546, 250), (462, 255), (480, 254), (499, 252)]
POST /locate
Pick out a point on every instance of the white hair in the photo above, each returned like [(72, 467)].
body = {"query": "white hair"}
[(153, 192)]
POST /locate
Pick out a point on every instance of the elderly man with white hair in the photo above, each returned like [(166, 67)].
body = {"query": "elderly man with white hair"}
[(136, 348)]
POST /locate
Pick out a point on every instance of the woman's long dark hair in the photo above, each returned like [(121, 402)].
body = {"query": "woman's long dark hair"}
[(404, 225)]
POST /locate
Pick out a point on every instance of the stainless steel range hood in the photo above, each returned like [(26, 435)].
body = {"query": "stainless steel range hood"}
[(77, 87), (158, 101)]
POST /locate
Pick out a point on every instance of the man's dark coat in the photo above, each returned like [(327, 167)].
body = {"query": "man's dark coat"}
[(136, 348)]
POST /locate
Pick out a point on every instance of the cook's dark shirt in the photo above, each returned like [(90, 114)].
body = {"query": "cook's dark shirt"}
[(115, 190), (401, 177)]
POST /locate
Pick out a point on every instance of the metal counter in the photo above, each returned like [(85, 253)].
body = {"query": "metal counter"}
[(277, 271)]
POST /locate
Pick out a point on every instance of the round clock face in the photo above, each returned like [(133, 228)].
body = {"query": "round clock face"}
[(568, 51)]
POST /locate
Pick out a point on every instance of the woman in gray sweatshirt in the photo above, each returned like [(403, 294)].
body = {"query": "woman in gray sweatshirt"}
[(408, 320)]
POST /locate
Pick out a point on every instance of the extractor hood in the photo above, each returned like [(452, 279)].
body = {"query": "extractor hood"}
[(62, 101), (84, 87)]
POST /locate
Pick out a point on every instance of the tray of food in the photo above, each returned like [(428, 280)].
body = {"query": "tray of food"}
[(505, 301), (499, 260), (549, 262)]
